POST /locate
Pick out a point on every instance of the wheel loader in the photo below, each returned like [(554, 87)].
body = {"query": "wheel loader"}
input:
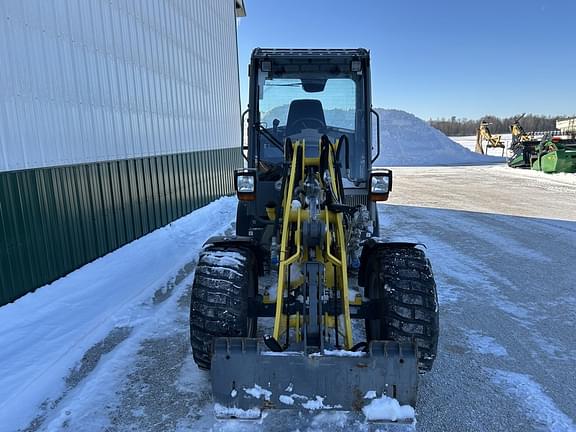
[(307, 306)]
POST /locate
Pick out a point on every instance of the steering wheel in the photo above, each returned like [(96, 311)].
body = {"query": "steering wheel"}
[(304, 120)]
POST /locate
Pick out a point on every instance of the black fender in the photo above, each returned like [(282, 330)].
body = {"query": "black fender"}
[(242, 219), (375, 243), (242, 241)]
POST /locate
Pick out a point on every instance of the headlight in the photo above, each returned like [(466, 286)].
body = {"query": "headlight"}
[(245, 184), (380, 185)]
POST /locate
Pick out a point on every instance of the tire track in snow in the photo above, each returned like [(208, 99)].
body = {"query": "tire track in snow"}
[(483, 290), (533, 400)]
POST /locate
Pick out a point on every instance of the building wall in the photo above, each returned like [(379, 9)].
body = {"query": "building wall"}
[(116, 117)]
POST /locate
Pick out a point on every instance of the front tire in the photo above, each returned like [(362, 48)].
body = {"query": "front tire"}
[(226, 278), (402, 279)]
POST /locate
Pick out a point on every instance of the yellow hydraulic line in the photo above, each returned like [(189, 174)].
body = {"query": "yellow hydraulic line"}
[(340, 262), (296, 216), (284, 261), (345, 294)]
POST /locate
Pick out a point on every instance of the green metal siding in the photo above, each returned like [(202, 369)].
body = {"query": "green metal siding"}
[(54, 220)]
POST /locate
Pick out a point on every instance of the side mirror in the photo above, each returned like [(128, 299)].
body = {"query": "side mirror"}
[(380, 185)]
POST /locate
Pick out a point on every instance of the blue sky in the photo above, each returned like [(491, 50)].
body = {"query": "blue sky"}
[(436, 58)]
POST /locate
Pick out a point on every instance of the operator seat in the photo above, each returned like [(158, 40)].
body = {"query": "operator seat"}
[(303, 114)]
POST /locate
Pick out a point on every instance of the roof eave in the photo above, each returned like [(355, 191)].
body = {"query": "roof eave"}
[(240, 8)]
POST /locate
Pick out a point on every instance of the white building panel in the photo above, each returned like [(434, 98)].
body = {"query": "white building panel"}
[(91, 80)]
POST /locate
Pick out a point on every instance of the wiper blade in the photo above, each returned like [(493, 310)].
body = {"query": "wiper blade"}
[(285, 85)]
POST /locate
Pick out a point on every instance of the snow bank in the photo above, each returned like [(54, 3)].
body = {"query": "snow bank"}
[(45, 334), (407, 140)]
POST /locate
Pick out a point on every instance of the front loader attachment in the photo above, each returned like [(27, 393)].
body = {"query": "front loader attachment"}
[(246, 378), (311, 360)]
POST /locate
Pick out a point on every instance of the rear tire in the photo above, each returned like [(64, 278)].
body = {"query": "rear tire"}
[(226, 277), (403, 279)]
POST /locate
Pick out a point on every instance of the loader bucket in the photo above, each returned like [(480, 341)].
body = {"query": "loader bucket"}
[(246, 378)]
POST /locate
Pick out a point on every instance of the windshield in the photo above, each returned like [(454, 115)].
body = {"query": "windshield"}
[(337, 100), (305, 109)]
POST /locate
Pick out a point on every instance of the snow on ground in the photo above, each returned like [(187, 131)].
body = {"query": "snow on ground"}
[(487, 189), (107, 348), (407, 140), (539, 177), (47, 336), (485, 344), (386, 408), (533, 400), (501, 247)]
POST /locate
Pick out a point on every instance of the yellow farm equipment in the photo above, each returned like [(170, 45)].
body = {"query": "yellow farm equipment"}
[(485, 139)]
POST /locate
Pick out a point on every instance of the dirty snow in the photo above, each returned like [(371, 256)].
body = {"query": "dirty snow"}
[(386, 408)]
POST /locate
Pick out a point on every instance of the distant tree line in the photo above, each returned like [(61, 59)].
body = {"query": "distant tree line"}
[(465, 127)]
